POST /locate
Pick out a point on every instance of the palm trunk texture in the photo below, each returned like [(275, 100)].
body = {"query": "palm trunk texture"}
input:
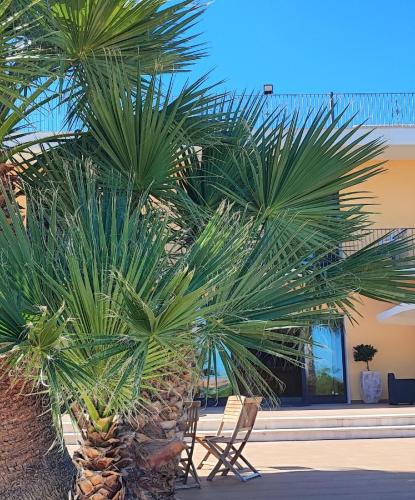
[(136, 460), (33, 466), (163, 434)]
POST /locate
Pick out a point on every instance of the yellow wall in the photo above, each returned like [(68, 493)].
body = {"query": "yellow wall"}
[(395, 343), (395, 196), (394, 193)]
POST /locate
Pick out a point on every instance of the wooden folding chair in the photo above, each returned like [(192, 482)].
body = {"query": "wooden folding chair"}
[(230, 417), (186, 466), (228, 450)]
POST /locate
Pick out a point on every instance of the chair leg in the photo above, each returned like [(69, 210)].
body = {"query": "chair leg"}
[(194, 474), (187, 468), (248, 464), (241, 457), (191, 469), (228, 467), (215, 470), (221, 454), (202, 462), (234, 460), (188, 465), (218, 452), (209, 452), (231, 465)]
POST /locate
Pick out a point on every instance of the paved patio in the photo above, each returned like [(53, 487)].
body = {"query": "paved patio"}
[(364, 469)]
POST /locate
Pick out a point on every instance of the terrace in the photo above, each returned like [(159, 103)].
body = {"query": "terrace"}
[(371, 469), (385, 110), (392, 114)]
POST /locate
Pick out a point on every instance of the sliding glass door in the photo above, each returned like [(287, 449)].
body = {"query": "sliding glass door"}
[(325, 366)]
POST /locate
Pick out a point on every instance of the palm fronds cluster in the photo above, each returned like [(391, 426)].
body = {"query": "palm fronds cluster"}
[(175, 229)]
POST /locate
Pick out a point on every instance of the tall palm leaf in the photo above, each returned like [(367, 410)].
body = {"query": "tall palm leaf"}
[(72, 36), (156, 34), (139, 135), (310, 172)]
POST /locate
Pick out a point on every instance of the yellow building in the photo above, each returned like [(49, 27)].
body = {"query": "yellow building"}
[(390, 329), (331, 374)]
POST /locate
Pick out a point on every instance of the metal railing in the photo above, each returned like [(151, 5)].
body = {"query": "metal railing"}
[(375, 109), (382, 236), (46, 120)]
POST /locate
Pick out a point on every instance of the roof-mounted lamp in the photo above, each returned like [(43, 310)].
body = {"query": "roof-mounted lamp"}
[(268, 89)]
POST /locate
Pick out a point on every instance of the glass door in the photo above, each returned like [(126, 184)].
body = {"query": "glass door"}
[(325, 367)]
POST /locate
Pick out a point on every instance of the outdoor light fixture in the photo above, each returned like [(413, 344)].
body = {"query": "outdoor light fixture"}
[(268, 89)]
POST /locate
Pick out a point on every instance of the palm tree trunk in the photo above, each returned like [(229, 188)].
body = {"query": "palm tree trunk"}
[(123, 464), (33, 466), (161, 434), (99, 460), (135, 459)]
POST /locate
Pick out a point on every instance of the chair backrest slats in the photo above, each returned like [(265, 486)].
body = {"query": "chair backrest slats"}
[(246, 419), (240, 412), (233, 409), (192, 418)]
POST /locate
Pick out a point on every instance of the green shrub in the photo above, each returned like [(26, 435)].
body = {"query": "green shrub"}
[(365, 353)]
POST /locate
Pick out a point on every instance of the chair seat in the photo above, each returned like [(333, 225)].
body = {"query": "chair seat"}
[(222, 439), (201, 437)]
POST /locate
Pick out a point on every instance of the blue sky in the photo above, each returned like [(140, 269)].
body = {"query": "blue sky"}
[(311, 45)]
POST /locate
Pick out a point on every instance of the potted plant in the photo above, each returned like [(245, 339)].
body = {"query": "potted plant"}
[(370, 381)]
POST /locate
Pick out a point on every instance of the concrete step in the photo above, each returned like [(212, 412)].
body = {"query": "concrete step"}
[(70, 433), (264, 422), (324, 433), (309, 434), (72, 438), (280, 427)]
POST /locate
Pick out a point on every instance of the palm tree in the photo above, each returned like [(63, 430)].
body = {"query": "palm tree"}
[(300, 183), (32, 463), (40, 41), (143, 140), (138, 315), (181, 228)]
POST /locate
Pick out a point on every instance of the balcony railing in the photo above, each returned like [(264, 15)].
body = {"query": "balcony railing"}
[(382, 236), (375, 109)]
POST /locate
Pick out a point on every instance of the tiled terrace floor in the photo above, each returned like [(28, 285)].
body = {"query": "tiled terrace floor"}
[(372, 469)]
